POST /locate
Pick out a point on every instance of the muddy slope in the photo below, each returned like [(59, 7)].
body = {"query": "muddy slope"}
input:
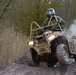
[(20, 69)]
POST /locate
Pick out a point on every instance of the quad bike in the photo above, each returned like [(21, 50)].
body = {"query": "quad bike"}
[(49, 44)]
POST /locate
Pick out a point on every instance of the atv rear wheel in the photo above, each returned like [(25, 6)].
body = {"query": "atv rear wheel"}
[(51, 63), (52, 60), (63, 55), (32, 57)]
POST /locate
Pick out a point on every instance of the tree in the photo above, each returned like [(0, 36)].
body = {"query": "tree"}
[(21, 13)]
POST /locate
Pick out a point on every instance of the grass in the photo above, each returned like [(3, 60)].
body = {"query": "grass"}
[(12, 46)]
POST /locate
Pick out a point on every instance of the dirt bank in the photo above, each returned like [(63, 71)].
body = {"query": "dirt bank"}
[(20, 69)]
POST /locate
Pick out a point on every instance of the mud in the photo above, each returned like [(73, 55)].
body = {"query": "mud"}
[(24, 69)]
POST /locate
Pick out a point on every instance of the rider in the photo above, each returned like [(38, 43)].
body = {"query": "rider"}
[(51, 14)]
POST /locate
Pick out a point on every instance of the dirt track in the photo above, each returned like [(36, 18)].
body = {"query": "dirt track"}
[(20, 69)]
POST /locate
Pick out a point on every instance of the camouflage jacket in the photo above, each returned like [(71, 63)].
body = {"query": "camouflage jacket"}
[(53, 20)]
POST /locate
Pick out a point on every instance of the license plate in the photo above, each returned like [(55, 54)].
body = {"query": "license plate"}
[(42, 49)]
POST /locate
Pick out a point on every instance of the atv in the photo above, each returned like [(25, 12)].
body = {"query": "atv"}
[(49, 44)]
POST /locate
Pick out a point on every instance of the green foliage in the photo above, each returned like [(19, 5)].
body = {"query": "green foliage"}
[(20, 13)]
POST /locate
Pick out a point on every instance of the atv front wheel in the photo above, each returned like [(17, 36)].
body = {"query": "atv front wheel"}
[(63, 55), (32, 57)]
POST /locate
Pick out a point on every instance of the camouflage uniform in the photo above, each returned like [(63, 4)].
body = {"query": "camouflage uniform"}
[(53, 20)]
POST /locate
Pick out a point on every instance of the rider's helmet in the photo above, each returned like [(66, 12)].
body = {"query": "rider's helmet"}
[(50, 12)]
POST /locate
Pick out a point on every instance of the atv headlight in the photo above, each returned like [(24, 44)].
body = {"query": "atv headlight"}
[(51, 37), (30, 43)]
